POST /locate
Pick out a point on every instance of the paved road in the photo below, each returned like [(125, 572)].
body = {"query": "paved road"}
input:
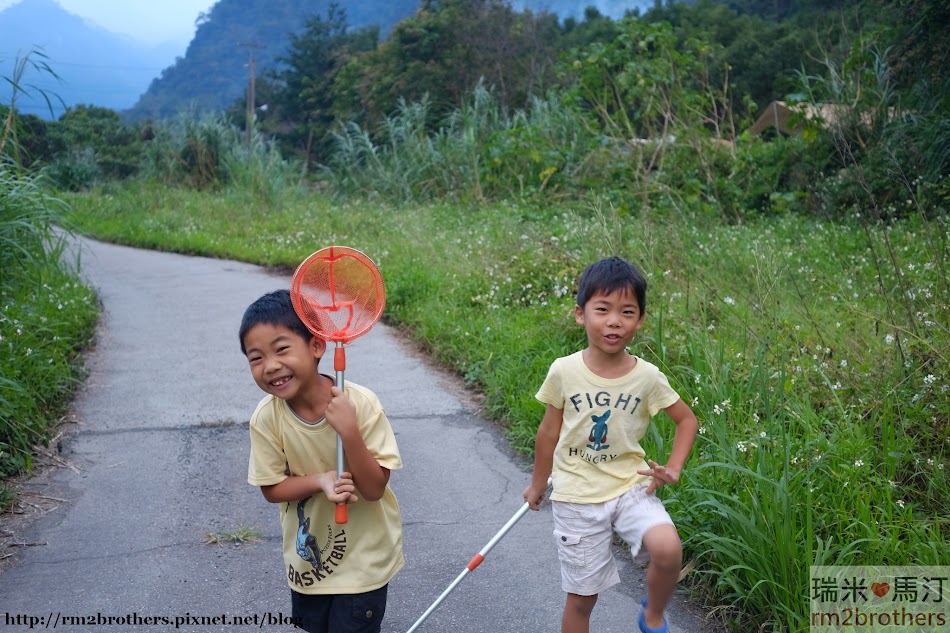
[(159, 459)]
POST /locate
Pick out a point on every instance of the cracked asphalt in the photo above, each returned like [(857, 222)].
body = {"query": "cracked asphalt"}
[(157, 453)]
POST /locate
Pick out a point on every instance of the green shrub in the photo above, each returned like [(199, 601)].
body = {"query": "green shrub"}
[(78, 169)]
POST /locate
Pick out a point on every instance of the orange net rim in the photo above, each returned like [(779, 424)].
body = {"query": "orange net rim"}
[(370, 311)]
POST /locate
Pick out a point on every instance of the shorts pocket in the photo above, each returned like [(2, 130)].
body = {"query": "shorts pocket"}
[(571, 549), (366, 612)]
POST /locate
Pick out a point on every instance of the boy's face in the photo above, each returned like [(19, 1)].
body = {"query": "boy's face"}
[(282, 362), (611, 320)]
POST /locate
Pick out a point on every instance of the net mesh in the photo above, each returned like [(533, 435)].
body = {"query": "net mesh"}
[(338, 293)]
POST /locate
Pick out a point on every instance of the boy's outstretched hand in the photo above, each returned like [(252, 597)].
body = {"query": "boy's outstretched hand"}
[(338, 490), (662, 476)]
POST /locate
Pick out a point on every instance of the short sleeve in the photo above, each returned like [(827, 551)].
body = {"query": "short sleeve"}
[(375, 428), (268, 463), (662, 395), (552, 390)]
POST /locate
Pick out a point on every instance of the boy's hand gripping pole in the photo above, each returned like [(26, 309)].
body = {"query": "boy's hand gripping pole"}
[(475, 562), (339, 365)]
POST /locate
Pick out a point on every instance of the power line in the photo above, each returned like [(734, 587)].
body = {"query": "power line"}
[(55, 64)]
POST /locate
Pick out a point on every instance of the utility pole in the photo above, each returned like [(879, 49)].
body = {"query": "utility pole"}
[(251, 113)]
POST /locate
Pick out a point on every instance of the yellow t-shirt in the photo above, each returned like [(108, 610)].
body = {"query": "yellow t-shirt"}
[(321, 557), (598, 453)]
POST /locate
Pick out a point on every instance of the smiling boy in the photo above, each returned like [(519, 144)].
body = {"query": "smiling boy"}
[(599, 403), (338, 574)]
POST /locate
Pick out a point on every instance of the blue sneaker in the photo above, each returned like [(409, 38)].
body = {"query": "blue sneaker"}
[(643, 625)]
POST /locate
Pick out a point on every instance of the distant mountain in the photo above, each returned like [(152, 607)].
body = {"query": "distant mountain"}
[(215, 69), (96, 66)]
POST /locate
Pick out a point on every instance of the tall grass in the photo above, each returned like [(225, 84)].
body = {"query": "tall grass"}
[(643, 127), (208, 152), (477, 153), (46, 314)]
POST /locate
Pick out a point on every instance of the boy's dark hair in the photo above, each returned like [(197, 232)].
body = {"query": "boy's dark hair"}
[(609, 275), (274, 308)]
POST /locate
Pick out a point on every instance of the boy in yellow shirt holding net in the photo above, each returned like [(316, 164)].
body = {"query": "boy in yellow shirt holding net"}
[(338, 574)]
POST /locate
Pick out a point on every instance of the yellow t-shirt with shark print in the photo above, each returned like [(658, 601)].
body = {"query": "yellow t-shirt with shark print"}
[(598, 453), (321, 557)]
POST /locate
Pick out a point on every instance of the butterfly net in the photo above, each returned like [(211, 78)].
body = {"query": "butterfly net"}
[(338, 293)]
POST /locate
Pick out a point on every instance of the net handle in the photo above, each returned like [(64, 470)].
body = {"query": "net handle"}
[(339, 366), (332, 255)]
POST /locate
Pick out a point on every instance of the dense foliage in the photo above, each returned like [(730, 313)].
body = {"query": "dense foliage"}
[(302, 106), (699, 73)]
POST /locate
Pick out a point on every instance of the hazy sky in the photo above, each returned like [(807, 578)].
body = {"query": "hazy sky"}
[(149, 21)]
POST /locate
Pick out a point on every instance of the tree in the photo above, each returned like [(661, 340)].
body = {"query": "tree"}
[(446, 49), (761, 56), (595, 27), (304, 98), (101, 132), (652, 97)]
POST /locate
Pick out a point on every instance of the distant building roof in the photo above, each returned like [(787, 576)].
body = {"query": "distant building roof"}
[(788, 118)]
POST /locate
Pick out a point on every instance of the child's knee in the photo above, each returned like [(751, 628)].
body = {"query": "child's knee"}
[(581, 605), (664, 546)]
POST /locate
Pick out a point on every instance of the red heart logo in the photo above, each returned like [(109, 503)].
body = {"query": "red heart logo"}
[(880, 589)]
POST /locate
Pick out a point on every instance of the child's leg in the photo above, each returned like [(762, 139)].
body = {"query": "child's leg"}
[(577, 610), (310, 613), (663, 544), (645, 525), (583, 536)]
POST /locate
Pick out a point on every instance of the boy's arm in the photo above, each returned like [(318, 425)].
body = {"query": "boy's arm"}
[(549, 431), (297, 487), (368, 475), (686, 427), (268, 463)]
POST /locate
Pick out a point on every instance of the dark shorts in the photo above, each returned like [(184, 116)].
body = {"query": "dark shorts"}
[(341, 613)]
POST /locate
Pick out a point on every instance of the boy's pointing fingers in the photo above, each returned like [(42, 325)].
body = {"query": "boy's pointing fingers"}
[(661, 475)]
